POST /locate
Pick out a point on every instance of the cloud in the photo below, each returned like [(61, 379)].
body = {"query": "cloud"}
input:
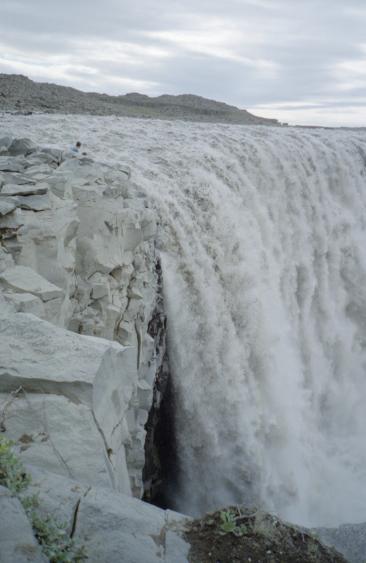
[(217, 39), (300, 60)]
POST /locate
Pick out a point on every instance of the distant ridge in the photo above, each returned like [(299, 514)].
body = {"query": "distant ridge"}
[(20, 94)]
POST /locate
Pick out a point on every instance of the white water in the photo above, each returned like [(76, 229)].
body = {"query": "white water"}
[(263, 246)]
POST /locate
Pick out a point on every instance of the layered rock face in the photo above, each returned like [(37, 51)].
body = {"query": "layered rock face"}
[(78, 288), (82, 345)]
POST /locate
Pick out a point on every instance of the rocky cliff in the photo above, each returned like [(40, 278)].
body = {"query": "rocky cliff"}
[(19, 93), (81, 324), (84, 370), (77, 262)]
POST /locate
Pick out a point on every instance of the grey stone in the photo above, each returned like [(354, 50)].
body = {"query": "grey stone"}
[(176, 548), (25, 280), (6, 260), (56, 155), (11, 164), (21, 146), (16, 178), (86, 245), (26, 303), (6, 206), (87, 371), (112, 526), (33, 202), (5, 143), (17, 542), (24, 190), (57, 434)]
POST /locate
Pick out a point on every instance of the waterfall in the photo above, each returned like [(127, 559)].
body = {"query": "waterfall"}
[(263, 247), (264, 261)]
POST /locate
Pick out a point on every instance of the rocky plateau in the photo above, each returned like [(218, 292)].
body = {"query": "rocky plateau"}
[(20, 94)]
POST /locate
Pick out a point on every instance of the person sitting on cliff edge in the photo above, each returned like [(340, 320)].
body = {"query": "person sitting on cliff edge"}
[(75, 149)]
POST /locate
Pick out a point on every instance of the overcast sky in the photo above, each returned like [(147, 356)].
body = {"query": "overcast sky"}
[(302, 61)]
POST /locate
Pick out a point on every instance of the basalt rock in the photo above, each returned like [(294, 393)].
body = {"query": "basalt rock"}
[(77, 253)]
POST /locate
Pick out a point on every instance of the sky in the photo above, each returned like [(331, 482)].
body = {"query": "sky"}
[(300, 61)]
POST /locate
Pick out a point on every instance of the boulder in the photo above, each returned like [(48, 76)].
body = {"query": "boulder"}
[(21, 146), (22, 279), (94, 377)]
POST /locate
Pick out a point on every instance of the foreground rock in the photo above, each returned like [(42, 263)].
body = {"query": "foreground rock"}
[(66, 399), (235, 535), (111, 526)]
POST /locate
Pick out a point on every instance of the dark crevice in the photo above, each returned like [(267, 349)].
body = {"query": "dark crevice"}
[(160, 470), (75, 519)]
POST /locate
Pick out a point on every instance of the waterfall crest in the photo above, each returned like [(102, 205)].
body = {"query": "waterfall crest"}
[(262, 240), (264, 260)]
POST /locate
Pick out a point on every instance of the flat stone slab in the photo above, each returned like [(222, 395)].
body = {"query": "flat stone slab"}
[(33, 202), (33, 349), (6, 207), (22, 279), (9, 164), (15, 178), (23, 190)]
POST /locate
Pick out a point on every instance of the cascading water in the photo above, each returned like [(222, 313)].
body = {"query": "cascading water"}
[(263, 247)]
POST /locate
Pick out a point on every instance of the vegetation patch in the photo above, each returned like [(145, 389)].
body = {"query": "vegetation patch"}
[(238, 535), (50, 533)]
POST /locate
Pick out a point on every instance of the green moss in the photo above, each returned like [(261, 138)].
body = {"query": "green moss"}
[(12, 473)]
